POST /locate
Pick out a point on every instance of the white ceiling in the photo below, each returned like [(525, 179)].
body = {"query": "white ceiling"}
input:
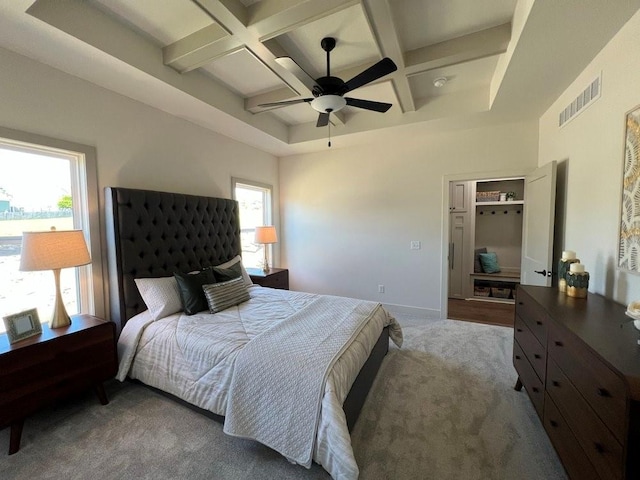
[(214, 62)]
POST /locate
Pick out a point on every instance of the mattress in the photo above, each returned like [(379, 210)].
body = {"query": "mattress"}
[(192, 357)]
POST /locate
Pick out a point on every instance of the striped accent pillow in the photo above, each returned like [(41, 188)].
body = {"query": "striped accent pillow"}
[(223, 295)]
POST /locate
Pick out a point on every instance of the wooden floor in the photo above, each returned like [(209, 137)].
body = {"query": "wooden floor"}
[(493, 313)]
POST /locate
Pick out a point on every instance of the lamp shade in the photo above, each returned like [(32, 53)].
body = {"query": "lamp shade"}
[(266, 234), (53, 249)]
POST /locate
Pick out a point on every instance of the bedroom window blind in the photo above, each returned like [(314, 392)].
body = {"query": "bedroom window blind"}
[(254, 199), (41, 187)]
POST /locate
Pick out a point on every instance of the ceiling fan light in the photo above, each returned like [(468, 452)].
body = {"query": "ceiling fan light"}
[(328, 103)]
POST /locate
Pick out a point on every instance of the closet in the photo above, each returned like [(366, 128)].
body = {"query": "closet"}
[(485, 216)]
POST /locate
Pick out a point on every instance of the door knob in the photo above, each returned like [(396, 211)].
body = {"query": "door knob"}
[(544, 273)]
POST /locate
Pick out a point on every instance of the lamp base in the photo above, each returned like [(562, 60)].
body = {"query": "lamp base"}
[(60, 316)]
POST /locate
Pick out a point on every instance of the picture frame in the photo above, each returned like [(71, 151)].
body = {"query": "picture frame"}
[(22, 325), (629, 232)]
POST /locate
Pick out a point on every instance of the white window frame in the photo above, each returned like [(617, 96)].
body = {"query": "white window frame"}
[(86, 216), (268, 201)]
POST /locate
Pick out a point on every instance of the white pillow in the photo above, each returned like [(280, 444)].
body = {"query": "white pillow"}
[(233, 261), (160, 295)]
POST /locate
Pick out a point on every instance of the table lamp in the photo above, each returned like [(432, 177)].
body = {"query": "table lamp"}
[(53, 250), (264, 236)]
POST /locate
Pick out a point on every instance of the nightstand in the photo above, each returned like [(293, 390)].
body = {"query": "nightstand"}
[(55, 364), (274, 278)]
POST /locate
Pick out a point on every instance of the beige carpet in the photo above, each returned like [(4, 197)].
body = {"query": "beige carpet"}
[(442, 407)]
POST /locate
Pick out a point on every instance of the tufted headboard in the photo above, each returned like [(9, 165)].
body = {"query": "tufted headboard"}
[(155, 234)]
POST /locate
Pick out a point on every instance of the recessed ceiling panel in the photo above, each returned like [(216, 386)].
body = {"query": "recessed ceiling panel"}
[(420, 23), (243, 73), (355, 43), (461, 77), (163, 21)]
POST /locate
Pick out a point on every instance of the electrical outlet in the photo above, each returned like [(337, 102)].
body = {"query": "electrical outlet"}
[(380, 288), (415, 245)]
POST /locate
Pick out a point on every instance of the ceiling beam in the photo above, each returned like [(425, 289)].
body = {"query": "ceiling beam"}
[(482, 44), (378, 14)]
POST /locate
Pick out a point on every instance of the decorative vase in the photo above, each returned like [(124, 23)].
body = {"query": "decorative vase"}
[(568, 257), (577, 281)]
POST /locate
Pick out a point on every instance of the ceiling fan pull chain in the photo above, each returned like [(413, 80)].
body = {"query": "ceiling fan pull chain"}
[(329, 125)]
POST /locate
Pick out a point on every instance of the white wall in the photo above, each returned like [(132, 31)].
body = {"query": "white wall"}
[(137, 146), (590, 149), (348, 215)]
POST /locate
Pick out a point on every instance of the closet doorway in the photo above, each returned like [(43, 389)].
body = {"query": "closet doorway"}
[(499, 233)]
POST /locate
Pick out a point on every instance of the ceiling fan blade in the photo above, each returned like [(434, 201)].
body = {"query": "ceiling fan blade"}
[(298, 72), (286, 102), (374, 72), (323, 120), (368, 104)]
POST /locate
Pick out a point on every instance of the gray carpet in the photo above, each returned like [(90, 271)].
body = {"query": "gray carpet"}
[(442, 407)]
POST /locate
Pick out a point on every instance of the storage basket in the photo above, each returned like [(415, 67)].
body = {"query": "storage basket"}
[(481, 291), (492, 196), (498, 292)]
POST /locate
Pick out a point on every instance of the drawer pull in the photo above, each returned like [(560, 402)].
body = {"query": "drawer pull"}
[(535, 355), (603, 392), (519, 329), (553, 423), (517, 357), (599, 447), (558, 343)]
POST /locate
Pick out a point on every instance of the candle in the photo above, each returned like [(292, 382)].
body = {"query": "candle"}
[(576, 268), (568, 255)]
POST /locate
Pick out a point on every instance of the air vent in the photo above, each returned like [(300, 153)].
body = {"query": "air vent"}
[(581, 102)]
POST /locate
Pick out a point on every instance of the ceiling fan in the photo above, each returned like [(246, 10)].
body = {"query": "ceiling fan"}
[(328, 92)]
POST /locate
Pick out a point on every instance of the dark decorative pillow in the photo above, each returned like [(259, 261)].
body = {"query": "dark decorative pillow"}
[(489, 262), (190, 289), (221, 296), (228, 273), (477, 266)]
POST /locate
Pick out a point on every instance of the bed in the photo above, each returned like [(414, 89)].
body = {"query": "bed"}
[(206, 359)]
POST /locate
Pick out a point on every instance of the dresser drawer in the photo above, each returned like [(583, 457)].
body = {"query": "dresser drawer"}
[(535, 317), (596, 439), (535, 353), (605, 392), (529, 378), (574, 459), (42, 367)]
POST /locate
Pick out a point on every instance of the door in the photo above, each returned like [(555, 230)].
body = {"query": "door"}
[(537, 236), (458, 277)]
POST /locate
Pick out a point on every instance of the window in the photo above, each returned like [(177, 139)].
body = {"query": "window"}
[(254, 200), (44, 186)]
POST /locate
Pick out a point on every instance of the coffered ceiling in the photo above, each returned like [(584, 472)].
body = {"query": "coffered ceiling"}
[(214, 62)]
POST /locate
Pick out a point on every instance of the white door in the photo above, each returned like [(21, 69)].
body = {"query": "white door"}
[(537, 236)]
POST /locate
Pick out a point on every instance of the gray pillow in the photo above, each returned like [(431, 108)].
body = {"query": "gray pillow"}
[(223, 295), (477, 266)]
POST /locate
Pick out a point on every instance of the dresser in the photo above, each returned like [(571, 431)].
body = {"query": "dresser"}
[(48, 367), (274, 278), (579, 362)]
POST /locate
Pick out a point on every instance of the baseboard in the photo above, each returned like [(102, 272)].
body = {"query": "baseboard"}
[(428, 313)]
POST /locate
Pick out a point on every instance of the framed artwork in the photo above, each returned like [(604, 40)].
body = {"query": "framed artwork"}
[(629, 238), (22, 325)]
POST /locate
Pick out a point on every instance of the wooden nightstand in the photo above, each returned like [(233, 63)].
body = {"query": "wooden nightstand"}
[(274, 278), (42, 369)]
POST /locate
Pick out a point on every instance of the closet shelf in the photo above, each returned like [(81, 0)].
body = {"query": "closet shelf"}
[(504, 276), (512, 202)]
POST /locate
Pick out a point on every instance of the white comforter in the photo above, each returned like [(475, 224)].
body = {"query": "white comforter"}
[(192, 357)]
